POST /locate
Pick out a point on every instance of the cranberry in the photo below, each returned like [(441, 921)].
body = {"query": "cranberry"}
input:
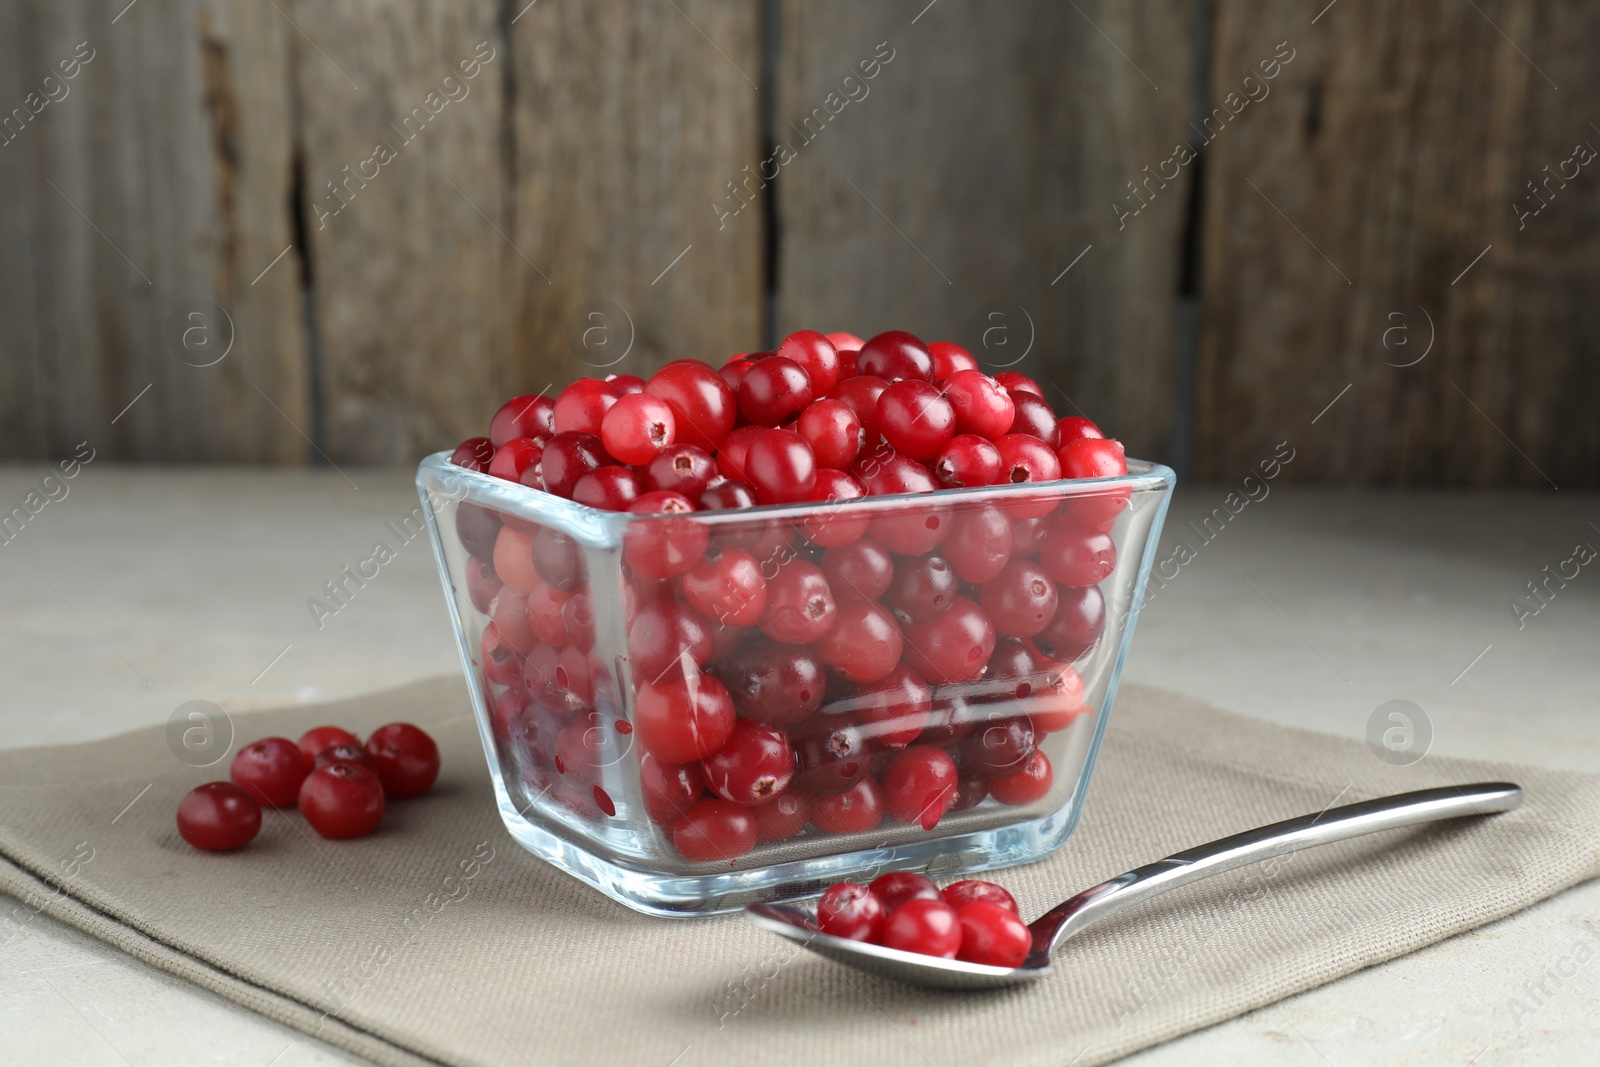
[(948, 358), (850, 911), (681, 468), (474, 454), (1090, 457), (861, 570), (968, 460), (1034, 418), (1020, 600), (773, 683), (1078, 555), (959, 894), (855, 811), (842, 340), (727, 495), (218, 816), (313, 741), (953, 647), (555, 557), (992, 935), (970, 792), (701, 401), (577, 621), (979, 543), (1058, 703), (835, 526), (669, 789), (271, 770), (953, 718), (894, 710), (1077, 626), (545, 606), (924, 587), (502, 664), (510, 615), (1000, 748), (833, 430), (581, 748), (476, 529), (898, 888), (735, 451), (513, 559), (755, 764), (351, 752), (568, 457), (782, 817), (1027, 536), (981, 405), (610, 488), (919, 783), (734, 370), (774, 390), (1074, 427), (894, 355), (1025, 458), (342, 800), (637, 428), (863, 645), (667, 546), (830, 755), (781, 467), (1016, 382), (1012, 671), (916, 419), (482, 584), (860, 394), (407, 759), (715, 830), (1027, 785), (928, 927), (817, 355), (662, 636), (800, 606), (680, 720), (523, 416), (515, 458), (728, 588), (582, 406)]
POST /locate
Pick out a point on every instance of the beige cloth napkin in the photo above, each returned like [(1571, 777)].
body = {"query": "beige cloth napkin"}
[(439, 939)]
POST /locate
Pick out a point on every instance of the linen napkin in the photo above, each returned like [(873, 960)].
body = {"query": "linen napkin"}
[(437, 939)]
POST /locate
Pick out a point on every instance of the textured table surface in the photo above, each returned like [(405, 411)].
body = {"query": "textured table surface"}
[(142, 589)]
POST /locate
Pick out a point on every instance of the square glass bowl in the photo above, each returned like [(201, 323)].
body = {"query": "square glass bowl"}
[(597, 665)]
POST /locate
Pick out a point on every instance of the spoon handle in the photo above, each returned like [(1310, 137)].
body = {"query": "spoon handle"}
[(1252, 846)]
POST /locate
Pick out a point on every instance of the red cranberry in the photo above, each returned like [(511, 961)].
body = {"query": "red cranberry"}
[(979, 543), (830, 755), (855, 811), (1020, 600), (513, 559), (555, 557), (899, 888), (502, 663), (1077, 626), (476, 529), (610, 488), (971, 891), (582, 406), (916, 419), (681, 720), (971, 790), (800, 606), (953, 647), (968, 460), (577, 621), (981, 405), (681, 468), (1016, 382), (474, 454), (952, 720), (992, 935), (581, 749), (860, 394), (568, 457), (894, 355), (662, 635), (715, 831), (948, 358), (1074, 427), (928, 927), (523, 416), (313, 741), (755, 764), (864, 643), (850, 911), (218, 816), (271, 770), (669, 789), (734, 370), (1000, 747), (773, 683), (1034, 418), (842, 340), (836, 526), (817, 355), (919, 784), (515, 458), (407, 759), (896, 709), (727, 495), (664, 546), (924, 587), (773, 391), (782, 817), (833, 431), (627, 384), (861, 570), (781, 467), (701, 401), (342, 800), (545, 606), (728, 588), (482, 584), (1090, 457), (352, 752), (1078, 555), (637, 428), (510, 615), (1027, 536), (735, 451), (1025, 458), (1031, 783)]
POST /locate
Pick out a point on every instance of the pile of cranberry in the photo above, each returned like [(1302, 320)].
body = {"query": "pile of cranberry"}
[(972, 921), (827, 669), (338, 783)]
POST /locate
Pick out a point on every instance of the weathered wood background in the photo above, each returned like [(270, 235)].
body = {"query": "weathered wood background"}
[(1367, 257)]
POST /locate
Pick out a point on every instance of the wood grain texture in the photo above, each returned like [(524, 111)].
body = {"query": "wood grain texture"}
[(1397, 141), (984, 158), (157, 180)]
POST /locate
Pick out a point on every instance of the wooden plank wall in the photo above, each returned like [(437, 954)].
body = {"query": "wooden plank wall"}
[(604, 167)]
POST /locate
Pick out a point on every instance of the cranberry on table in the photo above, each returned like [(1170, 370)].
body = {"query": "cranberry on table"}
[(1028, 784), (817, 355), (782, 817), (833, 430), (715, 830), (342, 800), (407, 759), (349, 752), (727, 588), (971, 891), (218, 816), (852, 912), (916, 419), (313, 741), (474, 454), (780, 466), (1077, 626), (774, 390), (568, 457), (610, 488), (680, 720), (967, 461), (861, 570), (800, 605), (893, 355), (271, 770), (773, 683), (637, 428), (902, 887), (982, 406), (948, 358), (992, 935), (702, 402), (926, 926), (854, 811), (919, 784), (864, 643), (1015, 382), (523, 416), (755, 764), (681, 468)]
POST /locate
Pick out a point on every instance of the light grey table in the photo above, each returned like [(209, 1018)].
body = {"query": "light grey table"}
[(143, 588)]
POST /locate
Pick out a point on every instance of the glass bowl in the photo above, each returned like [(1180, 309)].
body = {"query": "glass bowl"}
[(604, 651)]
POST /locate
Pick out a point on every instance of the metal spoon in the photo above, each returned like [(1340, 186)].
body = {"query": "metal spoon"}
[(1108, 898)]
